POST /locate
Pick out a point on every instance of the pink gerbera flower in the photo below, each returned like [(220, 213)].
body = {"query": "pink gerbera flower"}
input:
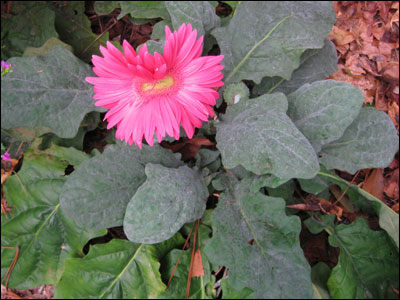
[(156, 93)]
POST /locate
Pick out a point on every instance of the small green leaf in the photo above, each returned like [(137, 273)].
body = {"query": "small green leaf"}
[(228, 292), (235, 92), (315, 64), (49, 91), (319, 276), (102, 186), (116, 270), (324, 109), (268, 38), (164, 203), (371, 141), (259, 243), (277, 146)]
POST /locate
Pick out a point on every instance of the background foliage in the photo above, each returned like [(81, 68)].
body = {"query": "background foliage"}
[(225, 220)]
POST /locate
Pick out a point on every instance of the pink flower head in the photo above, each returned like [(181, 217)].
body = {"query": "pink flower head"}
[(156, 93)]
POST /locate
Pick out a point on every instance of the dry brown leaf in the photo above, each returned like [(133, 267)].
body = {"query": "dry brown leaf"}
[(374, 184), (341, 37), (197, 268), (392, 186)]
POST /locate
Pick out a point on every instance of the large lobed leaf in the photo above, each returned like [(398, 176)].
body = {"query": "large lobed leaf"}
[(47, 91), (254, 238), (201, 14), (116, 270), (368, 265), (324, 109), (315, 64), (44, 235), (164, 203), (371, 141), (268, 38), (258, 135), (102, 186)]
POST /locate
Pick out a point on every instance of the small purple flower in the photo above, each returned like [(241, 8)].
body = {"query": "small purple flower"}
[(5, 68), (5, 65), (6, 156)]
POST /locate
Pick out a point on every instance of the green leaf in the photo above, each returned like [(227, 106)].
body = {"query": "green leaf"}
[(268, 38), (75, 29), (254, 238), (201, 14), (48, 91), (159, 30), (324, 109), (164, 203), (105, 7), (228, 292), (388, 219), (116, 270), (46, 48), (102, 186), (319, 276), (277, 146), (368, 265), (31, 23), (144, 9), (315, 64), (371, 141), (44, 235)]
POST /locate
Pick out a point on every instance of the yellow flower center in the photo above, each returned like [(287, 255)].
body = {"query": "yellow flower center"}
[(164, 83)]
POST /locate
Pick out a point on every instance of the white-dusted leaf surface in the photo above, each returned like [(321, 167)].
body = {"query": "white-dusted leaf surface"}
[(164, 203), (259, 243), (371, 141), (102, 186), (267, 38), (258, 135), (315, 64), (324, 109), (201, 14), (47, 91)]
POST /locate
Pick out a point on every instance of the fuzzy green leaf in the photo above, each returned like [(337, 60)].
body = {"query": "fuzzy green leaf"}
[(315, 64), (102, 186), (200, 14), (47, 91), (164, 203), (371, 141), (268, 38), (277, 146), (254, 238), (324, 109)]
